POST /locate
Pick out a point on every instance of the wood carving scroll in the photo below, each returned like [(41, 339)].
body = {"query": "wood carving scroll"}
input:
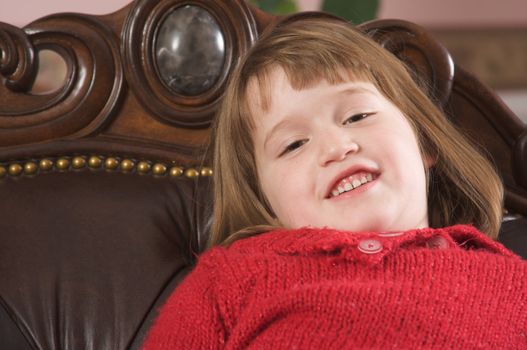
[(17, 62), (140, 32), (91, 91), (419, 50)]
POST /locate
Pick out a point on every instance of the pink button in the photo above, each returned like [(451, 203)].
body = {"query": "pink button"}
[(370, 246), (437, 242)]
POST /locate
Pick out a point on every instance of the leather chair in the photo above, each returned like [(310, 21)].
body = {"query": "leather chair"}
[(105, 196)]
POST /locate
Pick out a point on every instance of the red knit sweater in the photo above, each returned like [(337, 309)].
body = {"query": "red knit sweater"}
[(326, 289)]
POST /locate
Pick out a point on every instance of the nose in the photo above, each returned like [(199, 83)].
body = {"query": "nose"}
[(335, 146)]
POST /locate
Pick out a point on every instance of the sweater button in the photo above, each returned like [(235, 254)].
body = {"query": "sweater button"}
[(370, 246)]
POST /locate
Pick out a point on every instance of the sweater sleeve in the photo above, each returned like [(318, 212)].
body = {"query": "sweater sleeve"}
[(190, 319)]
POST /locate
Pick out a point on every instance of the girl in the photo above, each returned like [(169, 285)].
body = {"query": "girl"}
[(337, 182)]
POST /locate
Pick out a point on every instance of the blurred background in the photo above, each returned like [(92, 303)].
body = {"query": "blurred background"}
[(487, 37)]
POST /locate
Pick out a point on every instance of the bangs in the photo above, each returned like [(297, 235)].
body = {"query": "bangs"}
[(307, 53)]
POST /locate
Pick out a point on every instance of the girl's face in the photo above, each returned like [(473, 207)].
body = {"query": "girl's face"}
[(339, 156)]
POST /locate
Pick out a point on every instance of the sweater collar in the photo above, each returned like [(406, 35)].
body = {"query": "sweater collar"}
[(326, 241)]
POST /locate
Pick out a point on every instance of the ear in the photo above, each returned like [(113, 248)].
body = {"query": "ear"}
[(429, 160)]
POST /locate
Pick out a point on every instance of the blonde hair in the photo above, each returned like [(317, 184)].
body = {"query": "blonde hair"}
[(463, 187)]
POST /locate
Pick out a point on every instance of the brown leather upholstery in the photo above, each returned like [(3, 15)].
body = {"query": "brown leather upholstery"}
[(86, 254), (89, 252)]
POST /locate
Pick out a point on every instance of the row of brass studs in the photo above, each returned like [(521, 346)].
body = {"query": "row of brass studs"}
[(95, 162)]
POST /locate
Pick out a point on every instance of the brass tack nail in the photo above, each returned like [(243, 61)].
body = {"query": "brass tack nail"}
[(30, 168), (3, 171), (159, 169), (111, 163), (192, 173), (206, 171), (63, 163), (127, 165), (94, 162), (176, 171), (45, 164), (78, 162), (15, 169), (143, 167)]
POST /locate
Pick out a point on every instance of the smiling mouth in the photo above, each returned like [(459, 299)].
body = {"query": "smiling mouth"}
[(352, 182)]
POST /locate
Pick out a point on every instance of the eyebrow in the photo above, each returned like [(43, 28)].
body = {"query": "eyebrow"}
[(356, 89), (352, 90)]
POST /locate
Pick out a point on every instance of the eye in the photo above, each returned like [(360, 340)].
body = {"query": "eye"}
[(292, 146), (356, 117)]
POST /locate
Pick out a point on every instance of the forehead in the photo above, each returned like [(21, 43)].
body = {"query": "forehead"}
[(276, 91), (263, 88)]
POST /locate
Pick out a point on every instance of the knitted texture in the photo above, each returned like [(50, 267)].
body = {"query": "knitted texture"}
[(328, 289)]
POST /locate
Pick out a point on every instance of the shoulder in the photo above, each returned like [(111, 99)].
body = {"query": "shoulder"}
[(470, 239), (288, 240), (470, 256)]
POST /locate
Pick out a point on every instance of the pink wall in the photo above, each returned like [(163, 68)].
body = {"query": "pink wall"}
[(21, 12), (449, 13), (431, 13), (458, 13)]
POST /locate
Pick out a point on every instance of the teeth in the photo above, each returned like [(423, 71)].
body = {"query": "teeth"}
[(351, 183)]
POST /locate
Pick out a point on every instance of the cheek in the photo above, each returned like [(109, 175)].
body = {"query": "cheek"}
[(402, 140), (278, 189), (285, 191), (273, 188), (401, 152), (411, 168)]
